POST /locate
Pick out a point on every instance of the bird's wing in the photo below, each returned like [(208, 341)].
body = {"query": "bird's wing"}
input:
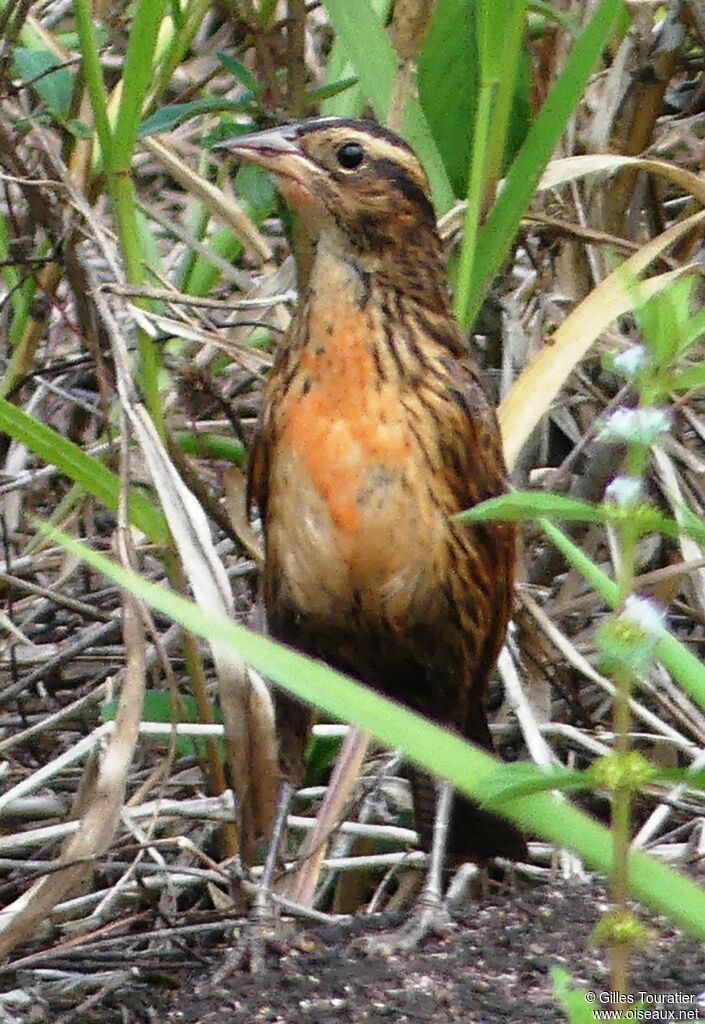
[(472, 440), (258, 471)]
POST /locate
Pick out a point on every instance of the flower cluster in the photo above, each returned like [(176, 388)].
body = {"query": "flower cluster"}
[(631, 361), (630, 639), (635, 426)]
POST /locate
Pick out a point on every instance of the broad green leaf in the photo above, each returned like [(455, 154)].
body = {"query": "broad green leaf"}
[(212, 446), (522, 505), (321, 755), (79, 129), (448, 78), (55, 88), (690, 379), (72, 461), (573, 1000), (203, 275), (150, 249), (159, 707), (523, 778), (71, 41), (257, 191), (437, 751)]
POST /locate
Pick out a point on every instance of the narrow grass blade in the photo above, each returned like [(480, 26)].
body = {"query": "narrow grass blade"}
[(375, 62), (430, 746), (501, 227), (86, 471)]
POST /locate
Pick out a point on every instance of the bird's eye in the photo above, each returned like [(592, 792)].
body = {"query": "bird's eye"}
[(350, 155)]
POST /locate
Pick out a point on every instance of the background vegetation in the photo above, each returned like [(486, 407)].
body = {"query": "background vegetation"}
[(143, 290)]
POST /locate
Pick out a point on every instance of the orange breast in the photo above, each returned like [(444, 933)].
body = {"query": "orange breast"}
[(349, 421), (350, 523)]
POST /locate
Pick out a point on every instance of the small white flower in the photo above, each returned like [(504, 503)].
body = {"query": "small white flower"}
[(641, 426), (645, 614), (624, 490), (631, 361)]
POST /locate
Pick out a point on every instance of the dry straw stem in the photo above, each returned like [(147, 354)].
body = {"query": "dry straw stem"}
[(537, 746), (215, 808), (302, 886), (570, 168), (214, 199), (660, 815), (245, 702), (235, 487), (248, 359), (539, 384), (410, 24)]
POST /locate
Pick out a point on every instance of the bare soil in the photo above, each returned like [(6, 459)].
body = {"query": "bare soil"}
[(495, 966)]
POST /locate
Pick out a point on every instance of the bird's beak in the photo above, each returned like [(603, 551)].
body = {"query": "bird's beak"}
[(268, 148), (276, 150)]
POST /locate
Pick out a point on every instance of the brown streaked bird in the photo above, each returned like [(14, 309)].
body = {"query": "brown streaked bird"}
[(374, 431)]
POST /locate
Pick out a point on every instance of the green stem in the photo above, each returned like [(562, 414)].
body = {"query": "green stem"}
[(122, 195), (118, 148), (93, 74), (176, 46), (476, 197), (508, 41), (627, 536), (675, 657)]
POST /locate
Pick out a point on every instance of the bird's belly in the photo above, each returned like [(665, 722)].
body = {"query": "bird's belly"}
[(351, 530)]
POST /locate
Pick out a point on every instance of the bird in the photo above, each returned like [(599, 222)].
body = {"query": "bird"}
[(375, 430)]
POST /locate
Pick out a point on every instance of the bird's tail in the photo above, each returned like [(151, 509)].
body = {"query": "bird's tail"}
[(475, 834)]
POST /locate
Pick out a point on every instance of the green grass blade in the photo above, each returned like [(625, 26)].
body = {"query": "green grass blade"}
[(350, 102), (433, 748), (374, 61), (498, 234), (520, 506), (93, 74), (73, 462), (137, 77)]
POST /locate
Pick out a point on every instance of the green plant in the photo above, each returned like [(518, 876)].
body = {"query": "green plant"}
[(630, 641)]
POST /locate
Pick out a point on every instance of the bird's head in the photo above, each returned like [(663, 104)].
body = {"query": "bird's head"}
[(352, 176)]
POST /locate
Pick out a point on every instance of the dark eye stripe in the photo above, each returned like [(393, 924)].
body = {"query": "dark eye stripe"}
[(397, 176)]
